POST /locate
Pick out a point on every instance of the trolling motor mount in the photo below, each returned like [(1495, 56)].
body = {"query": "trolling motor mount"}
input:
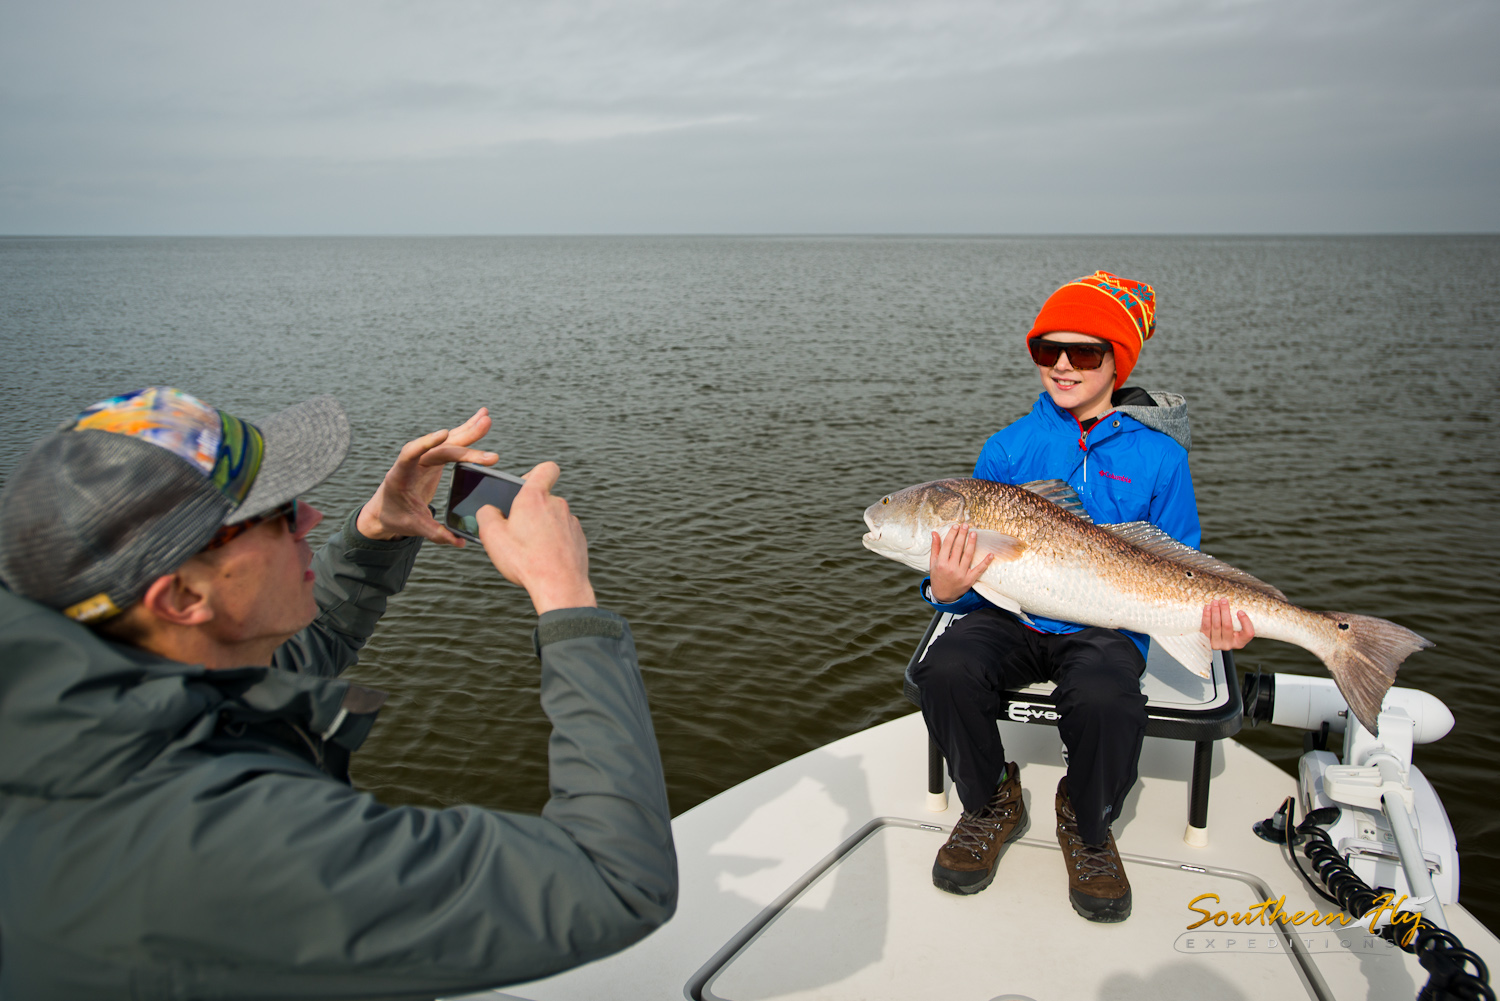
[(1304, 702)]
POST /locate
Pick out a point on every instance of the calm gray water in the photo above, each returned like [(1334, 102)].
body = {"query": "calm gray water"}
[(724, 408)]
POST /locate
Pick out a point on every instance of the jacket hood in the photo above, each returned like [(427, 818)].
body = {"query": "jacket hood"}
[(1164, 412), (79, 715), (1169, 415)]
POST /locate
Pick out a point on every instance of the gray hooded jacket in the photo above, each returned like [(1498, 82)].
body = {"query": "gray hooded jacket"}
[(172, 832)]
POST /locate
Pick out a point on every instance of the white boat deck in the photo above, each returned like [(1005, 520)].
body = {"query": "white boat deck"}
[(812, 880)]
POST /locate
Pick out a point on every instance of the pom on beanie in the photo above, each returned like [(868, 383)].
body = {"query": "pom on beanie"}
[(1103, 305)]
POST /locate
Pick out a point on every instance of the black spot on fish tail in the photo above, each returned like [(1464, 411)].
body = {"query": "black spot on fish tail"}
[(1367, 651)]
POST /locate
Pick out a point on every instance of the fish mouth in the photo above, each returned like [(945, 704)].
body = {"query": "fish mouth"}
[(875, 541)]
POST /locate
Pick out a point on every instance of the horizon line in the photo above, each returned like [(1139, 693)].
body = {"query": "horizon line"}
[(754, 235)]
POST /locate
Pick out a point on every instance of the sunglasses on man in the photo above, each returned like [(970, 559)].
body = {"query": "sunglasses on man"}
[(1085, 357), (228, 533)]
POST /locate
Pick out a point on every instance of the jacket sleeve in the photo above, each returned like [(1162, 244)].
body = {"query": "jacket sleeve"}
[(354, 578), (1174, 506), (967, 602), (303, 887), (993, 462)]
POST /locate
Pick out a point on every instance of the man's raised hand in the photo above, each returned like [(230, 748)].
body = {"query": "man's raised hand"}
[(399, 507), (541, 545)]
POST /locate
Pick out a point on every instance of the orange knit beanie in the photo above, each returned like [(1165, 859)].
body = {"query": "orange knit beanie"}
[(1102, 305)]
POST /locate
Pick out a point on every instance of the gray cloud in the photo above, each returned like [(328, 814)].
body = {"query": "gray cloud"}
[(1245, 116)]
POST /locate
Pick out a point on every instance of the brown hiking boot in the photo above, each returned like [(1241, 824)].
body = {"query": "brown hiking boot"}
[(1097, 887), (966, 864)]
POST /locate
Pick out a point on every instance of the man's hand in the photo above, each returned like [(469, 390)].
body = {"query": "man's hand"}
[(399, 507), (1219, 627), (952, 565), (540, 546)]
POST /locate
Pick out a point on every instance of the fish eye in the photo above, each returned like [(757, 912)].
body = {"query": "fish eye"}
[(1190, 573), (1343, 625), (885, 500)]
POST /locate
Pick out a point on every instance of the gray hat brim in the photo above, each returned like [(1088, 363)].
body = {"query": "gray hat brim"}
[(305, 445)]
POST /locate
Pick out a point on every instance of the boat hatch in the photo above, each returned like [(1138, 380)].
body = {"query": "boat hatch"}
[(867, 923)]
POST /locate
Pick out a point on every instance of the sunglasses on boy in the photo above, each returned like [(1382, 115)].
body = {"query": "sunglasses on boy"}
[(1083, 356), (228, 533)]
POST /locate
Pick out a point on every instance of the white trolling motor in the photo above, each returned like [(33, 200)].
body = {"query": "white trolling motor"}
[(1391, 827)]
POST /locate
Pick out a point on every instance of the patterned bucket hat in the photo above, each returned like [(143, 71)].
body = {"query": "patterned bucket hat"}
[(136, 484)]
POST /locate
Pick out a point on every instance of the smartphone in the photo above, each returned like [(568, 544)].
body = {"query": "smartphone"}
[(473, 487)]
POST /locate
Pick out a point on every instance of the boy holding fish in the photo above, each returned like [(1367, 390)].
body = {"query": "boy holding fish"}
[(1124, 453)]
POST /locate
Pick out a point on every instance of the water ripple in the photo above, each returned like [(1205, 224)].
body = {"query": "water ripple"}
[(723, 409)]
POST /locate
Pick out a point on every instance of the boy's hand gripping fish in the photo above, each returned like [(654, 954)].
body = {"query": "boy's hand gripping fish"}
[(1052, 560)]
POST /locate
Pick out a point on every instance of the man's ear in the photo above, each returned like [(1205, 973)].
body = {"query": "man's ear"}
[(176, 599)]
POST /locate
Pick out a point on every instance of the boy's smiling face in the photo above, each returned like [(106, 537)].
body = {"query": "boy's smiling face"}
[(1082, 393)]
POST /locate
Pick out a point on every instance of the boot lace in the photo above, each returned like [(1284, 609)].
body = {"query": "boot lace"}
[(1094, 860), (1088, 860), (976, 830)]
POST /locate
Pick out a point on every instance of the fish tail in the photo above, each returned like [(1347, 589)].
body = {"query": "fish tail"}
[(1366, 652)]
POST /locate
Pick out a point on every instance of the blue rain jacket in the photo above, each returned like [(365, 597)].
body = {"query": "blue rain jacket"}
[(1130, 466)]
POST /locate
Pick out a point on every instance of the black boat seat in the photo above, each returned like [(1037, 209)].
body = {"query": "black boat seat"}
[(1179, 706)]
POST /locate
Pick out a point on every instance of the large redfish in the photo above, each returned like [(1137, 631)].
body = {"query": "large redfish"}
[(1052, 560)]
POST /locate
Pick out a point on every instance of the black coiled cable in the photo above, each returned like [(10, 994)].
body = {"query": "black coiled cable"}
[(1442, 955)]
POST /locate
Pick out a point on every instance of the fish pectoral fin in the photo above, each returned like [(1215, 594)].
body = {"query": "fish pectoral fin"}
[(1059, 493), (997, 597), (1191, 650), (1004, 547), (1146, 536)]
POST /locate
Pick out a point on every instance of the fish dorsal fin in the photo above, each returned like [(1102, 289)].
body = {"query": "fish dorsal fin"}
[(1146, 536), (1059, 493)]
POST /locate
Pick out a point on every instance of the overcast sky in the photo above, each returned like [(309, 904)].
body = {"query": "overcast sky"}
[(739, 116)]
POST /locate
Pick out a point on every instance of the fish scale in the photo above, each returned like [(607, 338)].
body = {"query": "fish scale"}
[(1051, 560)]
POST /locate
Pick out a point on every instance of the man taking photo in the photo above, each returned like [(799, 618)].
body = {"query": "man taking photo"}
[(176, 818)]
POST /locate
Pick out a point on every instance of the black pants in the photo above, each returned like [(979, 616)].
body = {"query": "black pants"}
[(1098, 695)]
